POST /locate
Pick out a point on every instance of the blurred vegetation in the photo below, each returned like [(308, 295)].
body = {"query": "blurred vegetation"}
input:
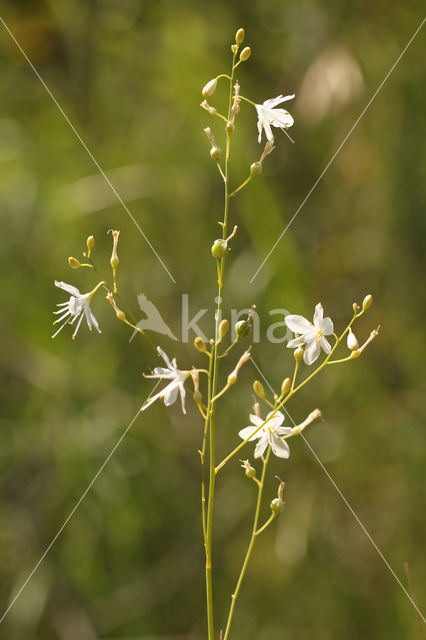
[(128, 74)]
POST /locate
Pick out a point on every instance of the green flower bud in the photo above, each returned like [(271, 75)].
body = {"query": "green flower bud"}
[(223, 328), (277, 506), (90, 242), (245, 54), (242, 328), (367, 302), (259, 389), (219, 249), (239, 36), (285, 387), (74, 263), (199, 344), (298, 354), (255, 169)]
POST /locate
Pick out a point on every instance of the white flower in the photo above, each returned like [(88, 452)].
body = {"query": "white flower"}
[(77, 306), (269, 434), (268, 115), (272, 433), (170, 392), (311, 335)]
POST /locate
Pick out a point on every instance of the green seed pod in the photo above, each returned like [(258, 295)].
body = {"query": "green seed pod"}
[(230, 128), (239, 36), (277, 506), (242, 328), (219, 249), (215, 153), (255, 169), (250, 473)]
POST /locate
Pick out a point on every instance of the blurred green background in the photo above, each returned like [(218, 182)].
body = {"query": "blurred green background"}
[(129, 74)]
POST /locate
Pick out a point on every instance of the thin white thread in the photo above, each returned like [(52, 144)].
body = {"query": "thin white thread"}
[(346, 502), (70, 515), (338, 150), (84, 145)]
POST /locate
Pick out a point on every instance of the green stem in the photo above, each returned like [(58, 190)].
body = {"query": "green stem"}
[(254, 533), (213, 390)]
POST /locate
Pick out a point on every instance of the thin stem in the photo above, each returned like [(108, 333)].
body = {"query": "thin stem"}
[(247, 100), (213, 389), (254, 533), (242, 185)]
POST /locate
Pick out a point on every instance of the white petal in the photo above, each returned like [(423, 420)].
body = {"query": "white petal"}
[(275, 421), (312, 352), (259, 128), (73, 291), (279, 447), (182, 397), (298, 324), (327, 326), (247, 433), (170, 393), (284, 431), (296, 342), (88, 316), (282, 119), (95, 323), (273, 102), (165, 357), (318, 315), (261, 446), (268, 131), (256, 420), (324, 343)]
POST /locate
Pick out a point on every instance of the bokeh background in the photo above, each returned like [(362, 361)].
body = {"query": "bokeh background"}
[(128, 74)]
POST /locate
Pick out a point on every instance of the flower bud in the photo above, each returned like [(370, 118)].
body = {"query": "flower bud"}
[(223, 328), (234, 48), (367, 302), (277, 506), (242, 328), (199, 344), (90, 243), (245, 54), (351, 341), (74, 263), (259, 389), (215, 153), (239, 36), (355, 307), (209, 88), (230, 128), (298, 354), (255, 169), (285, 387), (219, 249)]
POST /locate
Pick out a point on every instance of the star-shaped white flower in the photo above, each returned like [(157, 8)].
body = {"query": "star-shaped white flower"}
[(269, 116), (311, 335), (76, 308), (177, 378), (269, 434)]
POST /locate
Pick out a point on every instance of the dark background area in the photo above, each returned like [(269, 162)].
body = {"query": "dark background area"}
[(129, 74)]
